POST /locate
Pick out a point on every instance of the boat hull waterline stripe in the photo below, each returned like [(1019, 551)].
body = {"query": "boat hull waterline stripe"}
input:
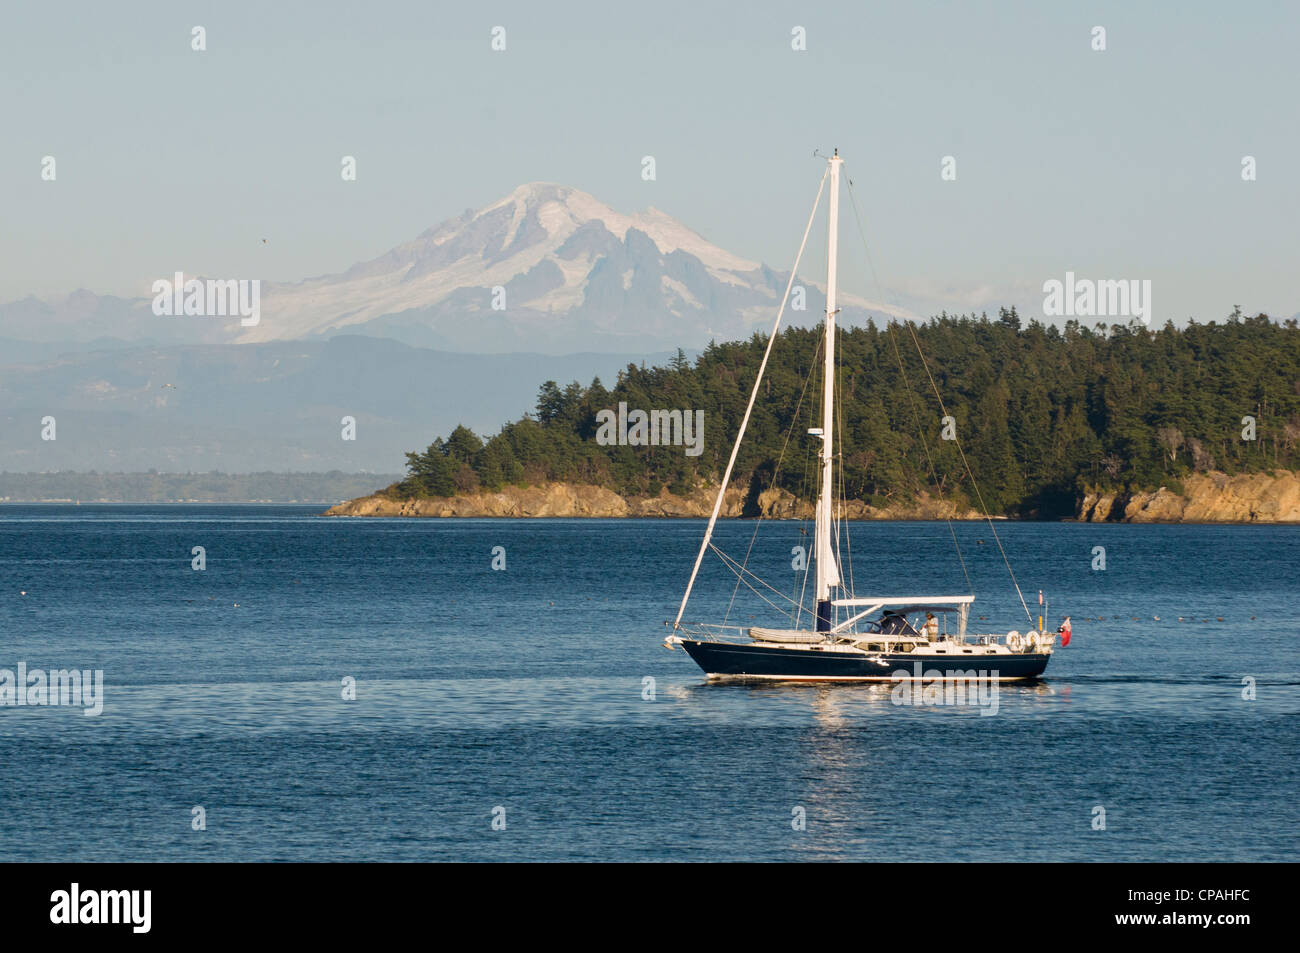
[(759, 661)]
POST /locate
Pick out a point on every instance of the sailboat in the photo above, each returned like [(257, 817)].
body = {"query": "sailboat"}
[(851, 637)]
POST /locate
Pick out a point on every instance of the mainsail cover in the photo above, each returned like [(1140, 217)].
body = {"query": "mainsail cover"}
[(830, 569)]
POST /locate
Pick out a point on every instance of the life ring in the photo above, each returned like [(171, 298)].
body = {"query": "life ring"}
[(1031, 641), (1014, 642)]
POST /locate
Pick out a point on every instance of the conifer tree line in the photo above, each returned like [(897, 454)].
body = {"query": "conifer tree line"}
[(1043, 413)]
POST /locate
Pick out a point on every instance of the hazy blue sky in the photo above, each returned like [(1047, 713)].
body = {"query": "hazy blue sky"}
[(1119, 164)]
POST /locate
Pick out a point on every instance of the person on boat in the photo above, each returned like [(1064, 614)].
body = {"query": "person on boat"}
[(931, 627)]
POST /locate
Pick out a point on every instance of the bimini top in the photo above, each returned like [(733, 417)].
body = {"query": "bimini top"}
[(911, 602)]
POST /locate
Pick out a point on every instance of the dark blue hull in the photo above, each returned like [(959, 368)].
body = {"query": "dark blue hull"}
[(728, 660)]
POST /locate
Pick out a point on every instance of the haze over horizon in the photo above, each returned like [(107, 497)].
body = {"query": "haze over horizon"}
[(1122, 164)]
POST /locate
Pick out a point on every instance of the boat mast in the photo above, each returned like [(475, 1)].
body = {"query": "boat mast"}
[(828, 574)]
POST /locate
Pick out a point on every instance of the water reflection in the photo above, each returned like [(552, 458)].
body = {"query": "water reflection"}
[(840, 772)]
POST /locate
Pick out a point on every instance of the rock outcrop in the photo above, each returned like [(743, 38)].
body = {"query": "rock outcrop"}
[(1205, 498)]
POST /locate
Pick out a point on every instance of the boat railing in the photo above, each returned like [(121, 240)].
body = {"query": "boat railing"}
[(740, 633), (713, 631)]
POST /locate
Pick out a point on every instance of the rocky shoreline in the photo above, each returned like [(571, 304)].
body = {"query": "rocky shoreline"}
[(577, 500), (1205, 498)]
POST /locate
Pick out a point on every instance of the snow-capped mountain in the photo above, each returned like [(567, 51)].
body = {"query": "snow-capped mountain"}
[(546, 269)]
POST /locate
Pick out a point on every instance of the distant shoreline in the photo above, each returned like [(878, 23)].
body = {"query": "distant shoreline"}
[(72, 487), (4, 503)]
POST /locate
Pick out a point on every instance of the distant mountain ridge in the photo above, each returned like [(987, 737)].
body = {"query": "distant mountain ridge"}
[(272, 406)]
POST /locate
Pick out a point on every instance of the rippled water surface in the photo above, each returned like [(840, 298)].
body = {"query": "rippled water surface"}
[(525, 689)]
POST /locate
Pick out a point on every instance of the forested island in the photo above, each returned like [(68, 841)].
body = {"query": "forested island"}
[(1052, 420)]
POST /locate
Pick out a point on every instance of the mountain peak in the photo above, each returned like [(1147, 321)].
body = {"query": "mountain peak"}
[(533, 193), (544, 243)]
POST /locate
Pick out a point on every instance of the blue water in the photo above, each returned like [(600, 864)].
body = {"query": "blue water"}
[(522, 689)]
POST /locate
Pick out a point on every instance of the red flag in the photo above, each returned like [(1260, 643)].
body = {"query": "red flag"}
[(1065, 632)]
